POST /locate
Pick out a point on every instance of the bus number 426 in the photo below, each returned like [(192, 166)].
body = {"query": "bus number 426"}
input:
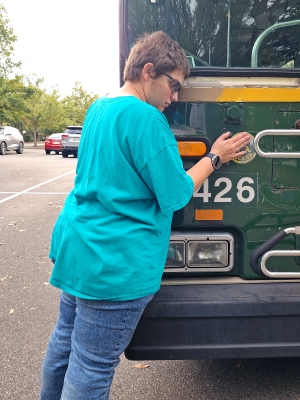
[(244, 192)]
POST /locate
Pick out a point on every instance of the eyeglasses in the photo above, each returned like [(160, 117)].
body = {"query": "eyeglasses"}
[(176, 86)]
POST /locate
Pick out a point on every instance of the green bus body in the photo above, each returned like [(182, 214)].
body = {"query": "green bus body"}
[(244, 58)]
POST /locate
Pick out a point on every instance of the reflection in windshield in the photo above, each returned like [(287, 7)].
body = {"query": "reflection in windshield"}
[(222, 33)]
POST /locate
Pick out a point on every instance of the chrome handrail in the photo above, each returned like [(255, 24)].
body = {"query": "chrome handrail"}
[(276, 132), (279, 253), (264, 252), (261, 37)]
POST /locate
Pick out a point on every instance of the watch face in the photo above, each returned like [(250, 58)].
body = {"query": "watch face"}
[(217, 162)]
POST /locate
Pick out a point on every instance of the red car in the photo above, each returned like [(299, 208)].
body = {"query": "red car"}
[(53, 143)]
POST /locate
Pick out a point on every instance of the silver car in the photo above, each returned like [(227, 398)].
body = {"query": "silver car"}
[(10, 139), (70, 140)]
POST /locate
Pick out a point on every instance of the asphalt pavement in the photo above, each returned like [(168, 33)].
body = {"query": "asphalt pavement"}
[(33, 187)]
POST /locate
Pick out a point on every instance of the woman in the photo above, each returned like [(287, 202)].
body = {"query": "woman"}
[(110, 241)]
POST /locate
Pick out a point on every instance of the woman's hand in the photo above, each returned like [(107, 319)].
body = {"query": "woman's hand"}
[(228, 148)]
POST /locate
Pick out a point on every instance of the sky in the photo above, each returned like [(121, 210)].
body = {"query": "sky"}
[(67, 41)]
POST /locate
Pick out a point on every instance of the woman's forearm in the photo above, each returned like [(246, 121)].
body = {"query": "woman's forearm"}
[(200, 171)]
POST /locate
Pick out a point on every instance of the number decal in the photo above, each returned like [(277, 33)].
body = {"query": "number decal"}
[(236, 189), (228, 186), (241, 189), (205, 193)]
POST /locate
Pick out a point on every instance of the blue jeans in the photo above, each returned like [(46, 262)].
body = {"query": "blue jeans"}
[(85, 347)]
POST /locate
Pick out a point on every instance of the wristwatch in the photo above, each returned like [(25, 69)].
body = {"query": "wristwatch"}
[(215, 160)]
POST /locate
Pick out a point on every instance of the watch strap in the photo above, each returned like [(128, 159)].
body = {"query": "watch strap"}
[(215, 160)]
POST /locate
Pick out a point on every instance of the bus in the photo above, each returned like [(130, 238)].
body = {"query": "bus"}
[(231, 283)]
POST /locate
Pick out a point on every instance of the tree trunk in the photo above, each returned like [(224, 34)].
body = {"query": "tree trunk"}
[(34, 137)]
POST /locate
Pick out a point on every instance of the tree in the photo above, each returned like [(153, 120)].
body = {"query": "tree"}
[(77, 104), (54, 114), (44, 112), (25, 103), (7, 40), (34, 115), (13, 96)]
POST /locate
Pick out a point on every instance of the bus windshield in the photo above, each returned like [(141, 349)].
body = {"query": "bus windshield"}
[(224, 33)]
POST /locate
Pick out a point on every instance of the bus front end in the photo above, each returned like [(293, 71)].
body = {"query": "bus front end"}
[(231, 284)]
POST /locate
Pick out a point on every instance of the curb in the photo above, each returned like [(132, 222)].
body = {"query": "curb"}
[(39, 145)]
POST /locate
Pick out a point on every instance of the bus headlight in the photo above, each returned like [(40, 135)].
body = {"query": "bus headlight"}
[(176, 255), (208, 253), (203, 252)]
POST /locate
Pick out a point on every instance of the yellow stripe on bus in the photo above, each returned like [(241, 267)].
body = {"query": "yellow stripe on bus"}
[(241, 95), (208, 215)]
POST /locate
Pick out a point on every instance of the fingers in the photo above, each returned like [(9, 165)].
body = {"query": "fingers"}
[(240, 140), (243, 136), (228, 148), (226, 135), (239, 154)]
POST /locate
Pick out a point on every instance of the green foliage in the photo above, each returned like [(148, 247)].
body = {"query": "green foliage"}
[(13, 97), (29, 107), (25, 104), (7, 40), (77, 104)]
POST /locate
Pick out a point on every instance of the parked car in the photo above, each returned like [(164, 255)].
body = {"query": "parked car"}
[(70, 140), (10, 139), (53, 143)]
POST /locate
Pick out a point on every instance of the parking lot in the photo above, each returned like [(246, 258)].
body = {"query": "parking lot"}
[(33, 187)]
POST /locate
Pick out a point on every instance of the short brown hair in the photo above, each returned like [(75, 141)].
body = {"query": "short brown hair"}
[(159, 49)]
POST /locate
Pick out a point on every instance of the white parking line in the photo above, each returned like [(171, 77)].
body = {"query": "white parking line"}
[(36, 192), (34, 187)]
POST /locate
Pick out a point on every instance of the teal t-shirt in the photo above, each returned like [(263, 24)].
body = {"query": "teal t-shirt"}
[(111, 239)]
